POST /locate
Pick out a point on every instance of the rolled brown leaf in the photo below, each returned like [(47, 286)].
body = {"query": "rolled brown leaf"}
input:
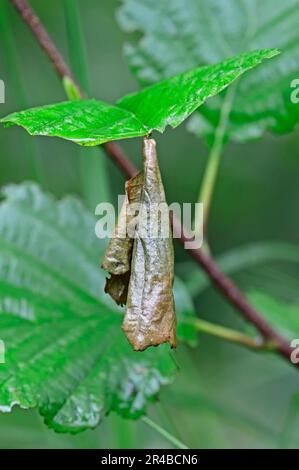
[(150, 314), (117, 259)]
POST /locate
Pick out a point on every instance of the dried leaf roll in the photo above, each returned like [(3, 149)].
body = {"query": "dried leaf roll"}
[(142, 268)]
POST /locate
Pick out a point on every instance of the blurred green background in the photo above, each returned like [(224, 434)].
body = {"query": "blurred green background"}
[(224, 396)]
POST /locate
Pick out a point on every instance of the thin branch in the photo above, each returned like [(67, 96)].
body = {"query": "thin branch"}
[(227, 288), (120, 159)]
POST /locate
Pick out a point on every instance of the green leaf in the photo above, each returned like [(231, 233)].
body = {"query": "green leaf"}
[(91, 122), (281, 315), (85, 122), (178, 35), (65, 351), (171, 101), (95, 183)]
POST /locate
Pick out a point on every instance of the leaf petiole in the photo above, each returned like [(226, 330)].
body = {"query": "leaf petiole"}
[(212, 167), (231, 335)]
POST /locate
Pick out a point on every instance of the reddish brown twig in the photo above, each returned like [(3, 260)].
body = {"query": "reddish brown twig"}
[(220, 281)]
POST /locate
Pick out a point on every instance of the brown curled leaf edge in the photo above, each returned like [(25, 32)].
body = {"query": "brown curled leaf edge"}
[(140, 259)]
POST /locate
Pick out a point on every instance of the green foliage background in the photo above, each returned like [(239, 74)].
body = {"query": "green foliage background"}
[(224, 396)]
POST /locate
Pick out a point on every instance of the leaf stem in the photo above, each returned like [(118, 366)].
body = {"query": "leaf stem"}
[(212, 167), (169, 437), (231, 335)]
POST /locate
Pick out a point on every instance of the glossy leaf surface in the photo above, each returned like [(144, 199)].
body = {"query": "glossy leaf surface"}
[(91, 122), (140, 259), (171, 101)]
